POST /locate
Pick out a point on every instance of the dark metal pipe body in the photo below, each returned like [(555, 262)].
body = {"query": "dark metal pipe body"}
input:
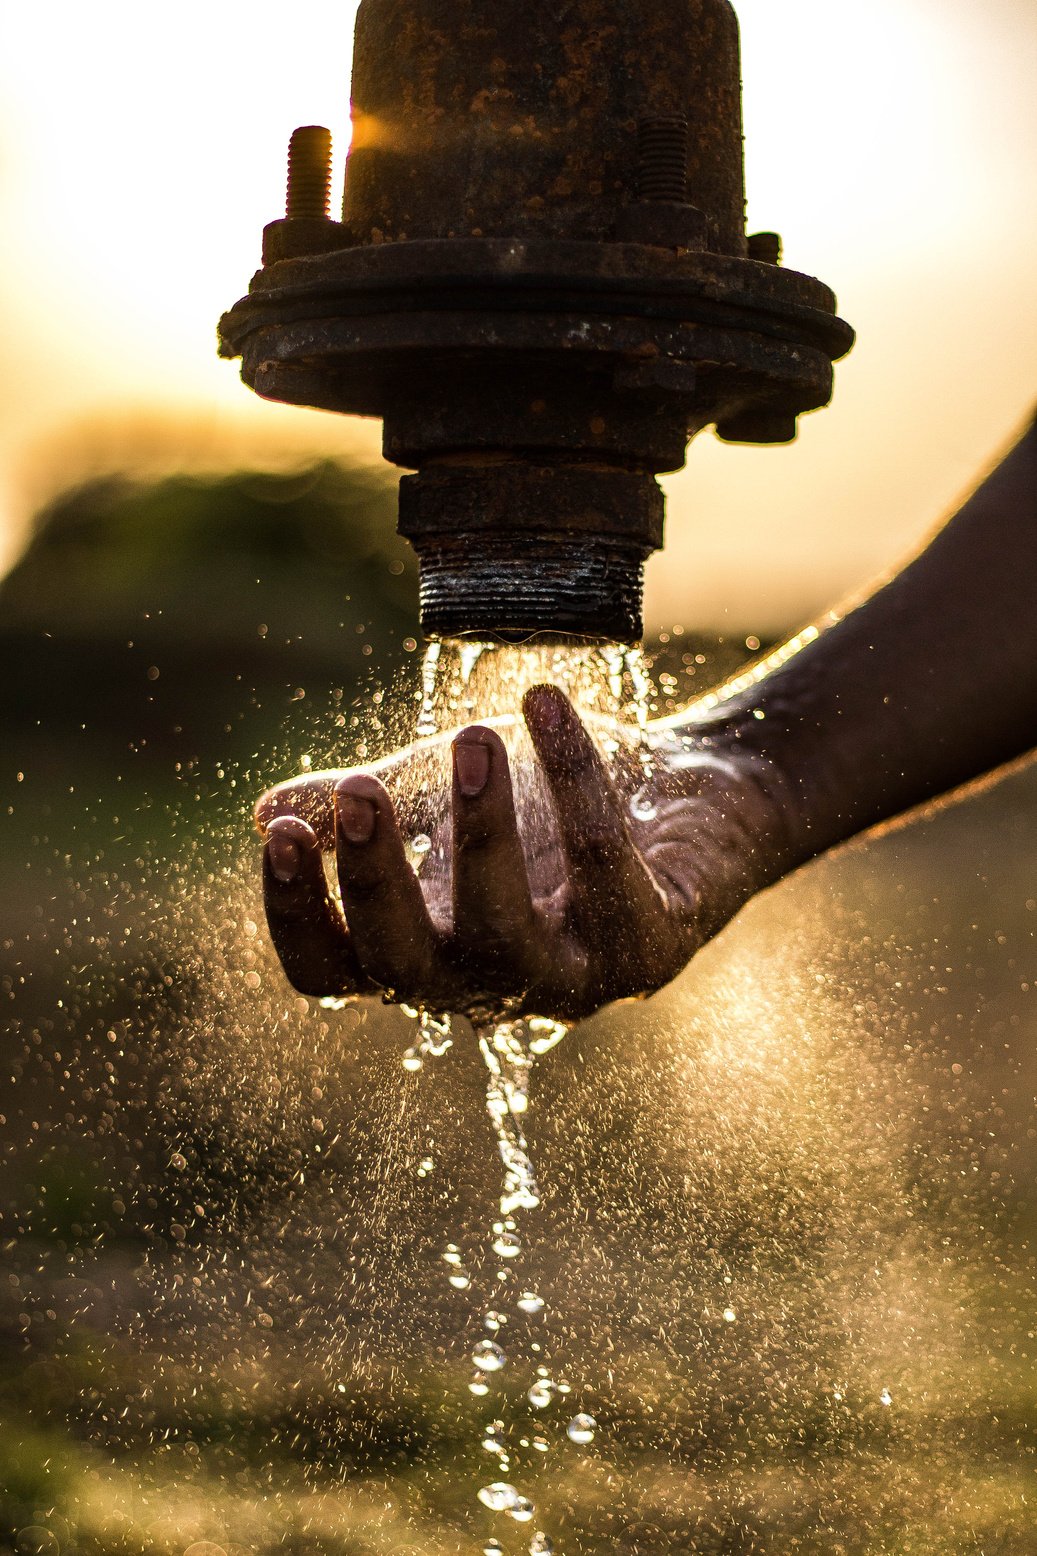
[(543, 286)]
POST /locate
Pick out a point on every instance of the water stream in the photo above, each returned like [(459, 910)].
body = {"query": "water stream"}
[(462, 682)]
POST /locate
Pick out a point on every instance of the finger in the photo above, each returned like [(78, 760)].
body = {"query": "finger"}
[(494, 924), (612, 887), (310, 796), (395, 940), (306, 927)]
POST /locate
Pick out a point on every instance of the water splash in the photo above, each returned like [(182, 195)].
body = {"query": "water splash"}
[(462, 681), (435, 1036), (478, 680), (428, 720)]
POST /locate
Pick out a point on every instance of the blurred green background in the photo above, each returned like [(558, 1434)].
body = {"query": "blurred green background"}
[(224, 1323)]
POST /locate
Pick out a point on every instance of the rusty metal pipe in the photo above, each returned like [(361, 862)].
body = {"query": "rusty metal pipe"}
[(543, 286)]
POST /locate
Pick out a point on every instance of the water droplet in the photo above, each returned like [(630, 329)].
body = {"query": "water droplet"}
[(541, 1394), (492, 1548), (488, 1357), (412, 1060), (493, 1321), (730, 1315), (521, 1510), (500, 1497), (459, 1280), (478, 1386), (508, 1245), (421, 843), (451, 1254), (541, 1545), (885, 1398), (643, 806), (581, 1429), (332, 1002), (529, 1302), (425, 1166), (178, 1161), (550, 1033), (540, 1443)]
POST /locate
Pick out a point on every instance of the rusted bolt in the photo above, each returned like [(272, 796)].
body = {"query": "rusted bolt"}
[(309, 173), (765, 247), (662, 158)]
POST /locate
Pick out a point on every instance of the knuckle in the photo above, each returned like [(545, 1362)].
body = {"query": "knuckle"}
[(364, 886), (476, 838)]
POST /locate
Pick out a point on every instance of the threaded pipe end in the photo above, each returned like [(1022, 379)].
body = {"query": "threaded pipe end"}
[(513, 586), (662, 158), (511, 550), (309, 173)]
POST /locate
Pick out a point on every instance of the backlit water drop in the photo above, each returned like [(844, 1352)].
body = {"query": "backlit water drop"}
[(488, 1356), (643, 806), (581, 1429), (499, 1497)]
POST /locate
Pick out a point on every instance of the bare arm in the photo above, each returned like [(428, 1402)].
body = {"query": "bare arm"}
[(929, 682), (926, 684)]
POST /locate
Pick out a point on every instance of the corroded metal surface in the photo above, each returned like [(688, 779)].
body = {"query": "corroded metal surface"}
[(542, 285), (480, 117)]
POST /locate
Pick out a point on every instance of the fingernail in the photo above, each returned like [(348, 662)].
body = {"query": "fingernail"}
[(356, 818), (472, 765), (285, 856)]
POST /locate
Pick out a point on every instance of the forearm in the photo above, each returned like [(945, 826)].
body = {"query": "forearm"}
[(928, 683)]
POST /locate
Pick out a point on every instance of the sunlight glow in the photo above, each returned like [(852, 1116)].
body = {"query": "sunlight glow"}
[(144, 150)]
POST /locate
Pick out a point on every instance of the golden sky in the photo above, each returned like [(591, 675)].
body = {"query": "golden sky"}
[(892, 142)]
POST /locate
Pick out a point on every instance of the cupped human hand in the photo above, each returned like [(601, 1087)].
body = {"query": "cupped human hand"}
[(600, 889)]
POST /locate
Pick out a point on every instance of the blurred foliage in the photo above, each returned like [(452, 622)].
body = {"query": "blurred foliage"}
[(182, 617)]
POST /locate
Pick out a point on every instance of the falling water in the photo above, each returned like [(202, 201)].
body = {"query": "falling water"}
[(612, 686)]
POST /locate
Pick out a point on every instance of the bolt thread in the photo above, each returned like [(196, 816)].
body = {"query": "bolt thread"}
[(662, 159), (309, 173)]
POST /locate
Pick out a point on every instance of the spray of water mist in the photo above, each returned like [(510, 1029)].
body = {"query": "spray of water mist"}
[(775, 1254)]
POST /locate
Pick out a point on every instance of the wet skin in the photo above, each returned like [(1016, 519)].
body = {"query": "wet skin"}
[(924, 686), (600, 906)]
